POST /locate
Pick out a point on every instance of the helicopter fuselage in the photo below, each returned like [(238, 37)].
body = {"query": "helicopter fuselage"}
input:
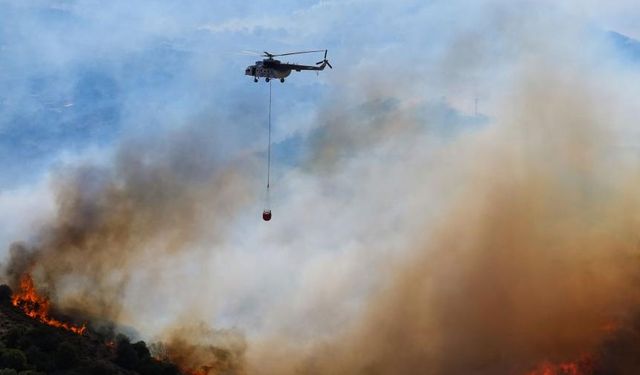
[(270, 68)]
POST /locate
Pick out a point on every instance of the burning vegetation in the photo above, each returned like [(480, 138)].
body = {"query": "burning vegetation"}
[(535, 251), (106, 219), (31, 339), (38, 307), (582, 367)]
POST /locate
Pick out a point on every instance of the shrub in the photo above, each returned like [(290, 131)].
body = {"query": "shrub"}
[(8, 371), (141, 350), (66, 356), (44, 337), (153, 367), (14, 334), (126, 355), (5, 294), (100, 367), (13, 358), (41, 360)]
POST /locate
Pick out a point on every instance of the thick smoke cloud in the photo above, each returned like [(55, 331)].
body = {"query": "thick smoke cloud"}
[(534, 260), (113, 222), (409, 236), (151, 202)]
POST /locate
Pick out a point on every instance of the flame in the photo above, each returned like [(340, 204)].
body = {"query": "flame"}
[(583, 366), (38, 307), (203, 370), (547, 368), (610, 327), (196, 372), (111, 344)]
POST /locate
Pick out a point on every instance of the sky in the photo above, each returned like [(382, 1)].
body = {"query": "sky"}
[(80, 76), (151, 97)]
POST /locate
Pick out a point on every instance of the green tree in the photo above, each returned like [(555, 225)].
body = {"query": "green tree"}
[(126, 355), (5, 294), (141, 350), (41, 360), (66, 356), (13, 358)]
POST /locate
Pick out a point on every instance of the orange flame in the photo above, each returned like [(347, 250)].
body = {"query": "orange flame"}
[(204, 370), (568, 368), (583, 366), (38, 307)]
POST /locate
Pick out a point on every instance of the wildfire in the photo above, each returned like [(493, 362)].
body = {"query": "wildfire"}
[(202, 370), (38, 307), (547, 368), (581, 367)]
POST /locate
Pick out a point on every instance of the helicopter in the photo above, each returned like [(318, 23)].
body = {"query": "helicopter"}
[(270, 68)]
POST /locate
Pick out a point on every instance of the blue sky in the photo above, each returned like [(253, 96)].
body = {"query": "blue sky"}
[(389, 130), (80, 75)]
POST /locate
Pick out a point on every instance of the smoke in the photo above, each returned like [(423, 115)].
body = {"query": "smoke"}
[(201, 349), (115, 221), (534, 257), (413, 238)]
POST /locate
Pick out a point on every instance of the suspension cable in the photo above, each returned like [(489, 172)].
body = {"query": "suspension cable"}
[(266, 214), (269, 143)]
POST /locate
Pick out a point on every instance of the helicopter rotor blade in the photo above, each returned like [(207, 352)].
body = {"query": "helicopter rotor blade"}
[(298, 53), (328, 64), (250, 53)]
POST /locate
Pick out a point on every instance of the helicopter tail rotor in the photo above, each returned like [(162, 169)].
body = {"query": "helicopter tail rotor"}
[(324, 60)]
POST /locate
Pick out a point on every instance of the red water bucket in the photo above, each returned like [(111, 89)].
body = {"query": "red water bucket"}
[(266, 215)]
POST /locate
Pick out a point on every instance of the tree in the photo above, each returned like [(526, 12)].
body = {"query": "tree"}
[(126, 355), (66, 356), (141, 350), (5, 294), (13, 358), (41, 360)]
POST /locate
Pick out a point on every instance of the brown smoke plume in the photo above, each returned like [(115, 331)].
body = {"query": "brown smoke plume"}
[(200, 350), (533, 261), (116, 222), (536, 260)]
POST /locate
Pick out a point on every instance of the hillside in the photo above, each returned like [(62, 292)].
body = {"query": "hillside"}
[(29, 347)]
